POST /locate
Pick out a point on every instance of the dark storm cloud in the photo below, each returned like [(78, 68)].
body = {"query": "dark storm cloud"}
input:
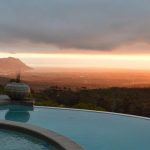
[(80, 24)]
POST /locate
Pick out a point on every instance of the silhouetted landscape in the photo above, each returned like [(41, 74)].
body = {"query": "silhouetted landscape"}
[(89, 78), (134, 101), (74, 78), (123, 91)]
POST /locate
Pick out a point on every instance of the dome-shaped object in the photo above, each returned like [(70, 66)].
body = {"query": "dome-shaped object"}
[(17, 91)]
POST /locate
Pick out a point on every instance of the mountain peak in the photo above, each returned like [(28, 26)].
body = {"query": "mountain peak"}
[(12, 64), (11, 58)]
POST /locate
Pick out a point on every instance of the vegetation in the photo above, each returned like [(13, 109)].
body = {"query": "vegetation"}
[(2, 91), (134, 101)]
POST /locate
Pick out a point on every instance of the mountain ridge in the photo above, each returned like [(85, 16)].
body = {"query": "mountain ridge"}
[(12, 64)]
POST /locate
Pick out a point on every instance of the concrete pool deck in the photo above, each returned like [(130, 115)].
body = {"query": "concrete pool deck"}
[(59, 141)]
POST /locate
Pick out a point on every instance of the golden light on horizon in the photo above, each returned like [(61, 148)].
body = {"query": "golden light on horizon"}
[(83, 60)]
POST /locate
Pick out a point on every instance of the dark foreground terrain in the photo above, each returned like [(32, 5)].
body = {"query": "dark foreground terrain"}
[(134, 101), (89, 89)]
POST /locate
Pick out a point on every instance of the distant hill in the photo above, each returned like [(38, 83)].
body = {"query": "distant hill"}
[(10, 64)]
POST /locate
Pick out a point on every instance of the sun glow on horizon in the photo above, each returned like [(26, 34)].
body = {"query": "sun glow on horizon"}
[(83, 60)]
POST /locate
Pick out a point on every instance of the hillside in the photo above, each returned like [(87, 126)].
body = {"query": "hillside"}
[(9, 65)]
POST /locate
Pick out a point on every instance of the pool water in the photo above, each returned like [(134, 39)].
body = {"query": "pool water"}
[(12, 140), (92, 130)]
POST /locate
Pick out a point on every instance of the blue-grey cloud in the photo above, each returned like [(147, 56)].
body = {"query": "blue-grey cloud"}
[(80, 24)]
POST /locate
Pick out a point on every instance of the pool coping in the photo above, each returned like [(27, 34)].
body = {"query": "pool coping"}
[(59, 141), (95, 111)]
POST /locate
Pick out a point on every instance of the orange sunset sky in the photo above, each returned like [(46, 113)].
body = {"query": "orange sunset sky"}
[(97, 33), (122, 61)]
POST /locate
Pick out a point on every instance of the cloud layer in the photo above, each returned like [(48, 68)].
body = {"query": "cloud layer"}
[(78, 24)]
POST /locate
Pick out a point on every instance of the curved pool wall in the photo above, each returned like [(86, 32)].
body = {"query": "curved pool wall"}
[(93, 130), (13, 140), (58, 141)]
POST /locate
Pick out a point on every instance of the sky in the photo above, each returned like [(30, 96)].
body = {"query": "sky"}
[(76, 33)]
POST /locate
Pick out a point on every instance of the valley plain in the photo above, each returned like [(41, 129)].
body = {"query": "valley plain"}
[(41, 78)]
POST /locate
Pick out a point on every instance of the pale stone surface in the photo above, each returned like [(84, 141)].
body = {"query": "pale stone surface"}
[(17, 90), (4, 99)]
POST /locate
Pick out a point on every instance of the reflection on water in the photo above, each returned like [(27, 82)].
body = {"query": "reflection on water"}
[(18, 113), (17, 116)]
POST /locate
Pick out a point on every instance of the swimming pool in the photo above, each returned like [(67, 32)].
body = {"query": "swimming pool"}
[(92, 130), (13, 140)]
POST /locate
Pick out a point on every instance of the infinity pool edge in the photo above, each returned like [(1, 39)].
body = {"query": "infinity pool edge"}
[(95, 111)]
